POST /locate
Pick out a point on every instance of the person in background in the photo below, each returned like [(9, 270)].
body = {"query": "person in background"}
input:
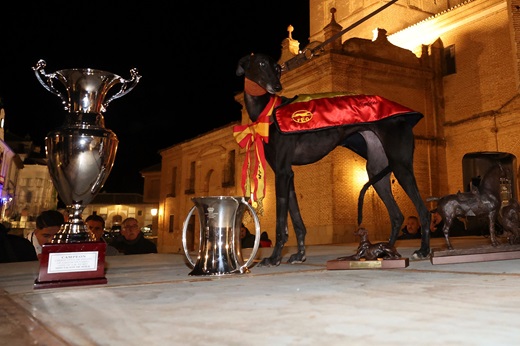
[(247, 240), (96, 225), (132, 240), (48, 223), (412, 229), (14, 248), (264, 240)]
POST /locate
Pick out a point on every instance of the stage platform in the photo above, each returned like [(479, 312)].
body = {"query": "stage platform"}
[(151, 300)]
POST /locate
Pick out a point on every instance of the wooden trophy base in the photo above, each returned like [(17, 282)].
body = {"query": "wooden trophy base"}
[(72, 264), (346, 264), (475, 254)]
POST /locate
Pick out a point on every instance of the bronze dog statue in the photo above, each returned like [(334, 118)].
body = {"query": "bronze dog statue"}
[(483, 200), (369, 251)]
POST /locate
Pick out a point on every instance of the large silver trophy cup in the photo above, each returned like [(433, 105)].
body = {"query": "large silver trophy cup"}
[(81, 153)]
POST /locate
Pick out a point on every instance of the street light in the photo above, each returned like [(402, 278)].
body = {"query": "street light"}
[(154, 211)]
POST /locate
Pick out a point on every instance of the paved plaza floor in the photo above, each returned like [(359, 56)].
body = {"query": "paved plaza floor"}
[(151, 300)]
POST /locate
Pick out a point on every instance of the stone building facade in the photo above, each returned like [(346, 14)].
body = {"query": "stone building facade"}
[(456, 62)]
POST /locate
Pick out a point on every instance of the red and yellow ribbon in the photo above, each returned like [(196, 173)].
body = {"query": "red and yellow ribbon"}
[(250, 137)]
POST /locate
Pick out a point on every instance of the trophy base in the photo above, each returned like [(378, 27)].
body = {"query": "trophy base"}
[(74, 264)]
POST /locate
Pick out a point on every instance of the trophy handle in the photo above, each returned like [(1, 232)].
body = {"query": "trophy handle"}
[(48, 82), (184, 240), (126, 86), (256, 245)]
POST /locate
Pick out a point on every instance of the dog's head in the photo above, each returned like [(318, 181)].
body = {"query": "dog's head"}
[(261, 69), (361, 232)]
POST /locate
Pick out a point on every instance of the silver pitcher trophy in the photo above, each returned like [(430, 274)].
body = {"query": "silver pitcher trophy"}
[(220, 251), (81, 153)]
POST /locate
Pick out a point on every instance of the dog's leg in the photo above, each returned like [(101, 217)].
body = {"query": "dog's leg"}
[(515, 229), (406, 179), (299, 227), (283, 181), (400, 149), (388, 251), (281, 235), (376, 162), (515, 236), (446, 231), (492, 231)]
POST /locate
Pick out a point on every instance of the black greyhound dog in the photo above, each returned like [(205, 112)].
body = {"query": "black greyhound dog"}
[(387, 145)]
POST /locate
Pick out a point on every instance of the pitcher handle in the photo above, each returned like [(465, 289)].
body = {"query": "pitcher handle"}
[(184, 242), (126, 86), (245, 267), (48, 82)]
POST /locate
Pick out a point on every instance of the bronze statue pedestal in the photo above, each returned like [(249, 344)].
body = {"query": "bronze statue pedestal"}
[(370, 255), (475, 254)]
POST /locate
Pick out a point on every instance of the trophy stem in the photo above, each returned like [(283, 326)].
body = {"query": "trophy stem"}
[(74, 230)]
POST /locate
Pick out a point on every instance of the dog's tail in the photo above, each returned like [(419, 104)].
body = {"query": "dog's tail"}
[(363, 191), (433, 199)]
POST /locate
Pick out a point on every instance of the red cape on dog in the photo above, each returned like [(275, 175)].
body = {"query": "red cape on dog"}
[(318, 111)]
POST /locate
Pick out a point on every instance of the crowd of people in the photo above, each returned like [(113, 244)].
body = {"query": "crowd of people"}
[(131, 240)]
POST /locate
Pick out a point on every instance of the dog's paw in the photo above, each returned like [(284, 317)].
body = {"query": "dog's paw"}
[(418, 256), (297, 258), (269, 262)]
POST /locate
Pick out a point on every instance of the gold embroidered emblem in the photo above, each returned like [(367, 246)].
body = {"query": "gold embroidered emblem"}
[(301, 116)]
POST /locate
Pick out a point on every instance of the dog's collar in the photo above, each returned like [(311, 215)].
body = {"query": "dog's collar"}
[(253, 88)]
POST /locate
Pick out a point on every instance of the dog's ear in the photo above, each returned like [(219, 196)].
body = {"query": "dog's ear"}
[(243, 64)]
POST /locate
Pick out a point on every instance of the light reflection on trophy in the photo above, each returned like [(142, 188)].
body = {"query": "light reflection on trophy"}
[(81, 153)]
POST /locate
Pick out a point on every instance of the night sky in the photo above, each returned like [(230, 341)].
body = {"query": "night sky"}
[(186, 56)]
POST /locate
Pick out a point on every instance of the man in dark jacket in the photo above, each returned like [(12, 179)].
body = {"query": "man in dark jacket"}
[(14, 248), (132, 240), (412, 229)]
